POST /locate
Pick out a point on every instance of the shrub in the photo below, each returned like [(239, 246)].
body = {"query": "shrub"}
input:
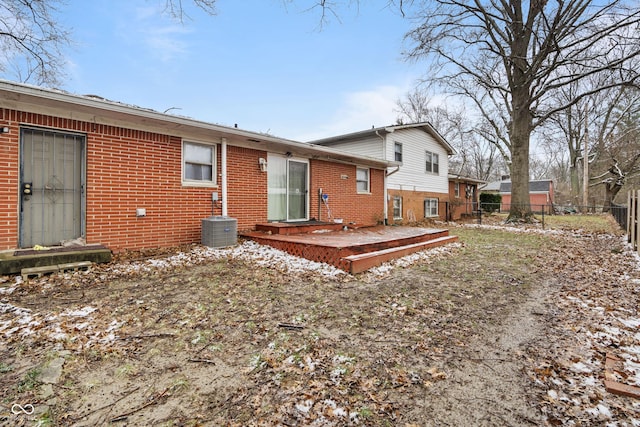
[(490, 202)]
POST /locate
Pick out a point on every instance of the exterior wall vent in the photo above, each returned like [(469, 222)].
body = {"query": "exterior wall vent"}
[(219, 231)]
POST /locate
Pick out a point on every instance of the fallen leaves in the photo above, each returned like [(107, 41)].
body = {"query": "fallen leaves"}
[(250, 337)]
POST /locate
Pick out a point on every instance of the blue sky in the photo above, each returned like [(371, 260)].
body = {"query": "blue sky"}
[(263, 64)]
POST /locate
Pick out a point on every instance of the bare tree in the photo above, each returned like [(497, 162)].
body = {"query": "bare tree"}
[(32, 40), (509, 57), (177, 9), (552, 145), (617, 148), (476, 157)]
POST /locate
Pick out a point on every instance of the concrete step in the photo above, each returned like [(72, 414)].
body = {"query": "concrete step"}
[(14, 261), (29, 272), (362, 262)]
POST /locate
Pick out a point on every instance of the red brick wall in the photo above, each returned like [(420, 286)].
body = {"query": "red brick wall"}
[(129, 169), (539, 202), (246, 186), (459, 206), (8, 183), (339, 182), (413, 202)]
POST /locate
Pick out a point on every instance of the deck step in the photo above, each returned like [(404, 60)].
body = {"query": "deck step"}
[(287, 228), (362, 262), (45, 269)]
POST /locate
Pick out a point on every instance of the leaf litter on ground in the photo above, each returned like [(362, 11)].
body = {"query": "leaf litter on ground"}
[(196, 333)]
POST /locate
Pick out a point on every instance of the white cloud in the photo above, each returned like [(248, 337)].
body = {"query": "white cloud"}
[(166, 42), (162, 38), (360, 111)]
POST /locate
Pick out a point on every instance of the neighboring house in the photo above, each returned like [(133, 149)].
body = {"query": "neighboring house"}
[(541, 194), (419, 187), (463, 196), (131, 178)]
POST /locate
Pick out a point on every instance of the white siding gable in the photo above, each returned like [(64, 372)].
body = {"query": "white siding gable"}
[(371, 147), (412, 175)]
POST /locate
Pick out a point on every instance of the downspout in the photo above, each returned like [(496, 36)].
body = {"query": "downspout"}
[(223, 161), (385, 211), (386, 202)]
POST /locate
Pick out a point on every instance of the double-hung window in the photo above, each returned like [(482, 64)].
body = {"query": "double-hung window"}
[(397, 207), (397, 151), (432, 163), (199, 163), (430, 208), (362, 180), (456, 190)]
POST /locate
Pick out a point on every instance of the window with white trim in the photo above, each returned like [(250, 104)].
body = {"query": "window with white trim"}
[(397, 152), (430, 208), (362, 180), (456, 190), (397, 207), (199, 163), (432, 162)]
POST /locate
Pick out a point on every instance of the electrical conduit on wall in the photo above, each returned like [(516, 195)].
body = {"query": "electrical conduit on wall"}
[(223, 162)]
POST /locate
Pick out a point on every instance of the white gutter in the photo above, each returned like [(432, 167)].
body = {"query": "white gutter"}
[(224, 176)]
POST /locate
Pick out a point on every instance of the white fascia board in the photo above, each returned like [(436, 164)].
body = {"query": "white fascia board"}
[(100, 111)]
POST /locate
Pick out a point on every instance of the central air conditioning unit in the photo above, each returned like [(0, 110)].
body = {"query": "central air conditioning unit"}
[(219, 231)]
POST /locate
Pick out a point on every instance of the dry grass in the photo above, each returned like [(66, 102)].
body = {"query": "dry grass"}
[(230, 343)]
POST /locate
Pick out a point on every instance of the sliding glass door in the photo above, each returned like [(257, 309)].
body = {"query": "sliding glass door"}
[(288, 189)]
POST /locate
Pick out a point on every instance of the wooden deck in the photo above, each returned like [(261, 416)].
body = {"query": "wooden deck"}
[(351, 250)]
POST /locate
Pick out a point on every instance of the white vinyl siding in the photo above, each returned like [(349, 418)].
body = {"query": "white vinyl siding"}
[(363, 147), (412, 175)]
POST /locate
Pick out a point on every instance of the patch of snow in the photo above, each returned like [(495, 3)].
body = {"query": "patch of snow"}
[(343, 359), (581, 368), (634, 369), (612, 330), (305, 406), (634, 349), (336, 375), (515, 229), (264, 256), (83, 312), (601, 411), (336, 410), (114, 325), (7, 291), (630, 323), (413, 258)]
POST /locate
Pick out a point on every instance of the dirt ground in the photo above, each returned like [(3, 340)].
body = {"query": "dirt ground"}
[(510, 327)]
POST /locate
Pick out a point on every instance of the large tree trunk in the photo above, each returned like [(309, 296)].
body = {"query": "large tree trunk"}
[(520, 133), (575, 181), (610, 193)]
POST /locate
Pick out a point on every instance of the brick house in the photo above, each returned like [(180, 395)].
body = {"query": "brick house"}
[(541, 193), (131, 178), (419, 187), (463, 196)]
